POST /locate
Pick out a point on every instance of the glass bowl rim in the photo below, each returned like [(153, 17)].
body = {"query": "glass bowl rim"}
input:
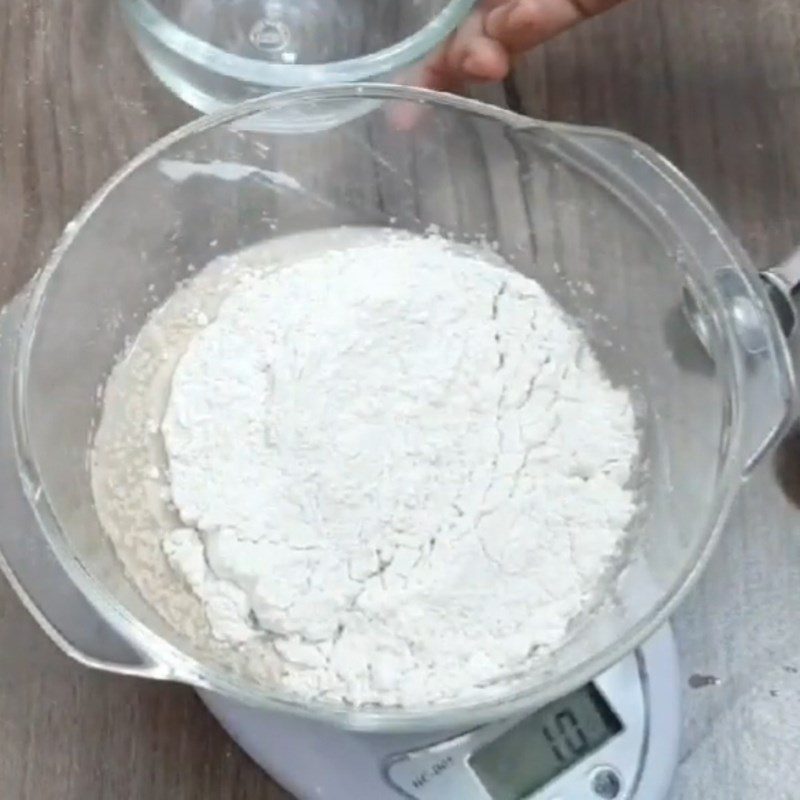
[(382, 62)]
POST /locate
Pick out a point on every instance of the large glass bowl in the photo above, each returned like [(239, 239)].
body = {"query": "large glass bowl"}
[(607, 226), (215, 53)]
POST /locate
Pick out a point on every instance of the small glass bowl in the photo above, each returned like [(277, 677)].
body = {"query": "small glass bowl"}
[(216, 53)]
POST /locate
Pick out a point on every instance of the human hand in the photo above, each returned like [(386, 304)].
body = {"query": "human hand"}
[(484, 46)]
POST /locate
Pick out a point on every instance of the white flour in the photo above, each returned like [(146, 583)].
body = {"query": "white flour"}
[(398, 467)]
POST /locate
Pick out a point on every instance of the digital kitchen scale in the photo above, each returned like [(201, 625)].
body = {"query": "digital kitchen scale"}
[(616, 738)]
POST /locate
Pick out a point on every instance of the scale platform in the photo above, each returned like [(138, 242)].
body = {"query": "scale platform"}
[(616, 738)]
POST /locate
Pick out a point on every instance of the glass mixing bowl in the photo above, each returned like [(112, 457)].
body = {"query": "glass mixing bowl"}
[(215, 53), (612, 231)]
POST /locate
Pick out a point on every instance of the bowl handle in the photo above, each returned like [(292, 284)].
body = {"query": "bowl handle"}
[(783, 286), (769, 394), (69, 620), (36, 572), (769, 391)]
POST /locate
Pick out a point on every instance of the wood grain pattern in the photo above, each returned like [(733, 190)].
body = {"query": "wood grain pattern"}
[(715, 85), (75, 104)]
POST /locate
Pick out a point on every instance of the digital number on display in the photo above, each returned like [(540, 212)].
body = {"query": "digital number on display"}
[(544, 745)]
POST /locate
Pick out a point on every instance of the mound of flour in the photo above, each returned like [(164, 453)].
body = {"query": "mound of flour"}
[(402, 465)]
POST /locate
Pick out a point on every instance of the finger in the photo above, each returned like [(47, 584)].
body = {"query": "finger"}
[(468, 55), (523, 24), (470, 30), (438, 75), (444, 70), (434, 75), (485, 60)]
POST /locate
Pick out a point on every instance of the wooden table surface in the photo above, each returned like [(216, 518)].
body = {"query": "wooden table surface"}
[(714, 84)]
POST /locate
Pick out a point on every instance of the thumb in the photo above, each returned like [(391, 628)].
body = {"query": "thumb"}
[(522, 24)]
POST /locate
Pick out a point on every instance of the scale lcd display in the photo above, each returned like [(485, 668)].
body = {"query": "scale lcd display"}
[(542, 746)]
